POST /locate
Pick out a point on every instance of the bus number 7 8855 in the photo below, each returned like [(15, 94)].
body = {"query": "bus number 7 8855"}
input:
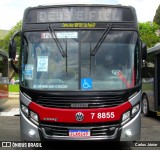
[(102, 115)]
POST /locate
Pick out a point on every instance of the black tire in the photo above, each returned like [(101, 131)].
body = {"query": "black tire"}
[(145, 106)]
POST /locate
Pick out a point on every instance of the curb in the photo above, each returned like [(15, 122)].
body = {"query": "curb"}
[(13, 95)]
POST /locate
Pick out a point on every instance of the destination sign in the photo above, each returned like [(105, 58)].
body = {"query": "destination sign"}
[(80, 14)]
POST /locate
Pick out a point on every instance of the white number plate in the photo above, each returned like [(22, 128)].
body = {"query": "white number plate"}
[(79, 133)]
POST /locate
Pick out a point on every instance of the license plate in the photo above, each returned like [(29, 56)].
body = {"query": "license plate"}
[(79, 133)]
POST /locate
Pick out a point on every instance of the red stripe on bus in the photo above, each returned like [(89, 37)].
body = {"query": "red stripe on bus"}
[(90, 115)]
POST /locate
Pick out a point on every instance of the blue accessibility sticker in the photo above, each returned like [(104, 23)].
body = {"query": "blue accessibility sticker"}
[(86, 83)]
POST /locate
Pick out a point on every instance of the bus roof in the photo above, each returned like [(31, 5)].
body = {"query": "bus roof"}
[(154, 48), (78, 4)]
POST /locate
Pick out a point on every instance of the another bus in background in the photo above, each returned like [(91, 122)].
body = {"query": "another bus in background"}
[(4, 91), (151, 82)]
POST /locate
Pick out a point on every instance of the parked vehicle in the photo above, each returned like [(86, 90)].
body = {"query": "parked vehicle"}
[(4, 80), (151, 82)]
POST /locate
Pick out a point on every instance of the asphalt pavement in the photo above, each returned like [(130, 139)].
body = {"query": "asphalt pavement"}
[(11, 106)]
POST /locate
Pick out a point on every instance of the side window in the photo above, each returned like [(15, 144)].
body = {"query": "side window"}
[(3, 69), (1, 66), (148, 69)]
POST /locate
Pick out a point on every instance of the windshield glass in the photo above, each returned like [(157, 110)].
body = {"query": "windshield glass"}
[(113, 67)]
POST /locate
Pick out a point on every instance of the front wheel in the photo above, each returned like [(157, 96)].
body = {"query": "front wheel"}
[(145, 106)]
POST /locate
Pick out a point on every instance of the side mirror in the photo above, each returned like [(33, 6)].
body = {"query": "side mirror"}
[(13, 49), (144, 51)]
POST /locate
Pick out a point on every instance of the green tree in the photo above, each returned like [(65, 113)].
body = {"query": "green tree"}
[(157, 16), (148, 33), (5, 41)]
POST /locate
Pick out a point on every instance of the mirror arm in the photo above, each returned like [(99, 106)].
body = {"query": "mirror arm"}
[(18, 33)]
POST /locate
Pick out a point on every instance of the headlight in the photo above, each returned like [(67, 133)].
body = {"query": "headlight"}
[(34, 117), (125, 117), (135, 109), (29, 114), (130, 114), (25, 110)]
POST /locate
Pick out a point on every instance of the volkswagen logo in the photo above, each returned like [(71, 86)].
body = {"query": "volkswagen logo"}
[(79, 116)]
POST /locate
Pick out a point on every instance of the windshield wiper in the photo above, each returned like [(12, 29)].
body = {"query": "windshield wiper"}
[(96, 48), (66, 49), (54, 37)]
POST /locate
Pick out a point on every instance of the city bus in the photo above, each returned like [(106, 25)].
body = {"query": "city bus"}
[(80, 73), (151, 82), (3, 77)]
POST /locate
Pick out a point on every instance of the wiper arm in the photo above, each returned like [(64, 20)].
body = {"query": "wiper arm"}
[(54, 37), (66, 49), (96, 48)]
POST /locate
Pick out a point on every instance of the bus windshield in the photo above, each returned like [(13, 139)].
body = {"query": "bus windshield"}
[(113, 67)]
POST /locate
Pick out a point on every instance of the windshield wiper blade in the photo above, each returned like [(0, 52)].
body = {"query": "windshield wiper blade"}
[(66, 49), (54, 37), (96, 48)]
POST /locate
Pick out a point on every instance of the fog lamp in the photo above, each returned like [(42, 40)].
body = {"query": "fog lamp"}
[(128, 133), (32, 133)]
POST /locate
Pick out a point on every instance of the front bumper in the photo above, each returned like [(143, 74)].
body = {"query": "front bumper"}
[(30, 132)]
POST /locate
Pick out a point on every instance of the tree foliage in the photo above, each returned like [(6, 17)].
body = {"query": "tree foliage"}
[(5, 41), (157, 16), (148, 33)]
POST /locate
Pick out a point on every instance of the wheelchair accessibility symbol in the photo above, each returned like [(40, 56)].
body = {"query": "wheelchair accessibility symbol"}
[(86, 83)]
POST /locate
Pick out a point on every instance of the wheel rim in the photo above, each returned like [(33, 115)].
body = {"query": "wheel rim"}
[(145, 106)]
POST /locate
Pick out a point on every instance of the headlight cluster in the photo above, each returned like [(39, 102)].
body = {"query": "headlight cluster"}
[(30, 114), (130, 114)]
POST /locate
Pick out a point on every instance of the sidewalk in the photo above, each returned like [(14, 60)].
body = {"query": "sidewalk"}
[(11, 104)]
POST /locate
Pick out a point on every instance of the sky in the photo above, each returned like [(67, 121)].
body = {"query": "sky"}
[(11, 11)]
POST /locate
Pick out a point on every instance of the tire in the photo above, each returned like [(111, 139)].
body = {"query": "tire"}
[(145, 106)]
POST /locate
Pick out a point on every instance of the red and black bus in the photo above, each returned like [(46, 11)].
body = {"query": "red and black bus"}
[(80, 73)]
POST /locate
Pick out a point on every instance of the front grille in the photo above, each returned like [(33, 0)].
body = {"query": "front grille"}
[(81, 101), (99, 130)]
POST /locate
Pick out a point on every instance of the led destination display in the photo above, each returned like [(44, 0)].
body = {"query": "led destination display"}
[(83, 14)]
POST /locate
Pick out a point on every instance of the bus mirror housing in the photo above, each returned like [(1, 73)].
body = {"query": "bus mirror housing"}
[(144, 51), (12, 50), (13, 46)]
